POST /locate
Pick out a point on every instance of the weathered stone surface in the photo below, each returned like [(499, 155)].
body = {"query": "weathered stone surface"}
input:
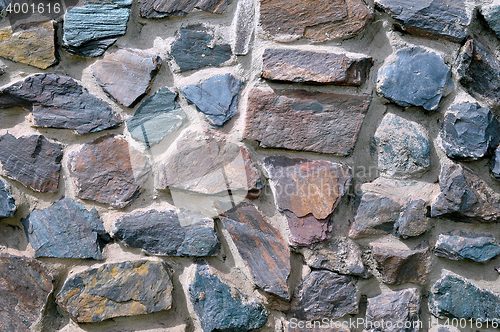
[(166, 8), (24, 290), (417, 77), (495, 164), (216, 98), (243, 24), (262, 248), (403, 147), (305, 121), (413, 221), (7, 202), (399, 308), (221, 308), (461, 245), (127, 74), (491, 14), (318, 21), (59, 102), (192, 49), (434, 18), (479, 71), (305, 231), (115, 290), (158, 116), (313, 67), (32, 160), (325, 294), (165, 233), (464, 197), (108, 171)]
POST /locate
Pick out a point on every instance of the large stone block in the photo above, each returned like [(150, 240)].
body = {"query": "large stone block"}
[(459, 245)]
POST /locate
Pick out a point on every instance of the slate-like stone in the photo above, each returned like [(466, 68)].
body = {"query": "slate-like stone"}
[(7, 202), (413, 221), (221, 308), (66, 230), (495, 164), (469, 132), (59, 102), (312, 67), (491, 14), (127, 74), (401, 308), (115, 290), (167, 8), (193, 49), (417, 77), (32, 160), (464, 197), (318, 20), (305, 121), (24, 291), (216, 98), (403, 148), (435, 18), (261, 246), (459, 245), (324, 294), (157, 117), (243, 23), (108, 171)]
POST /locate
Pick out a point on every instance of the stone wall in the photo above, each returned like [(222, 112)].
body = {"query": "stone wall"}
[(221, 165)]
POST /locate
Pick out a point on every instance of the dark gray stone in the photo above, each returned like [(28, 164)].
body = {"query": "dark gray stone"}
[(7, 202), (459, 245), (413, 221), (495, 164), (491, 14), (167, 8)]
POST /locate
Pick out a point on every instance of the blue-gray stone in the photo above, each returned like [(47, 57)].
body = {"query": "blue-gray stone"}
[(7, 203), (417, 78), (491, 14), (158, 116), (495, 164), (220, 308), (469, 132), (461, 245), (413, 221), (216, 97), (66, 230)]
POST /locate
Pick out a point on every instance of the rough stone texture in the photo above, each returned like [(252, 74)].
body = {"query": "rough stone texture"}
[(495, 164), (417, 77), (318, 21), (403, 147), (108, 171), (324, 294), (463, 245), (127, 74), (444, 328), (66, 230), (192, 49), (115, 290), (312, 67), (491, 14), (166, 8), (221, 308), (32, 160), (24, 291), (398, 307), (34, 45), (434, 18), (7, 202), (261, 246), (59, 102), (243, 23), (165, 233), (464, 197), (216, 98), (157, 117), (469, 132), (413, 221), (314, 121)]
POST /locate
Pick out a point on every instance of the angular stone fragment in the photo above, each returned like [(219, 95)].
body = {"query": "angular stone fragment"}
[(319, 21), (262, 248), (127, 74), (413, 221), (464, 197), (24, 291), (305, 121), (166, 8), (193, 49), (243, 23), (7, 202), (403, 147), (312, 67), (32, 160), (491, 14), (325, 294), (216, 98), (417, 77), (461, 245), (221, 308), (495, 164), (116, 290), (59, 102), (108, 171), (158, 116)]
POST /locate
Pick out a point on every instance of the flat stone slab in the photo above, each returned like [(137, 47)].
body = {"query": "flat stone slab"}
[(315, 121), (167, 8), (459, 245), (116, 290), (127, 74), (261, 246), (313, 67), (7, 202), (59, 102), (417, 77), (413, 221)]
